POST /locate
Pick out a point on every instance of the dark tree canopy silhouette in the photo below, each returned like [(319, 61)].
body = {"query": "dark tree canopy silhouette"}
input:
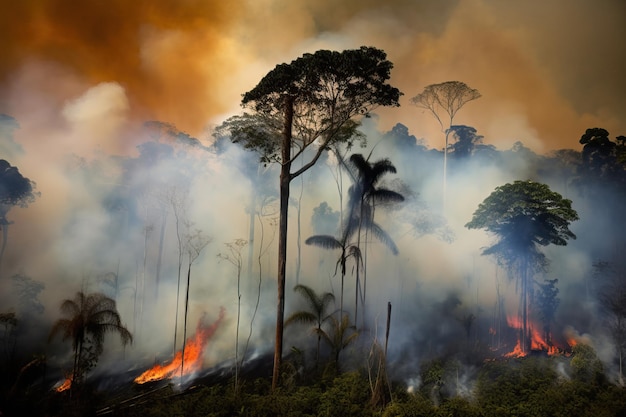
[(465, 141), (89, 317), (524, 216), (15, 190), (363, 197), (313, 99)]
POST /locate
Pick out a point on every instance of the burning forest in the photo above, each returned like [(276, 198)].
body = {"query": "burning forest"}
[(202, 217)]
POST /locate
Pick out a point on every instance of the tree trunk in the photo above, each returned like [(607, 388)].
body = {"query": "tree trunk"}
[(285, 179), (4, 225), (182, 362), (525, 340), (160, 256)]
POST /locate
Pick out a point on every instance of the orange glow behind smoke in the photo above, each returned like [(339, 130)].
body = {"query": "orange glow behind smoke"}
[(194, 347)]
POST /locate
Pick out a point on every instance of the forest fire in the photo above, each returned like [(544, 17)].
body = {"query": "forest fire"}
[(65, 385), (190, 360), (537, 342)]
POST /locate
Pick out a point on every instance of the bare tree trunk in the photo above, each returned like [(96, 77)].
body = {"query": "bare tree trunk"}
[(299, 242), (525, 340), (285, 180), (160, 255), (182, 363), (4, 225)]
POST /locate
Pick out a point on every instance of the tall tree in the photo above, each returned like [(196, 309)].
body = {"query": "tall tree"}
[(364, 195), (440, 100), (233, 256), (15, 190), (195, 242), (88, 318), (524, 216), (310, 103)]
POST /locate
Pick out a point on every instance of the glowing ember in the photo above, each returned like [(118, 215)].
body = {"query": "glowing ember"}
[(65, 385), (192, 359)]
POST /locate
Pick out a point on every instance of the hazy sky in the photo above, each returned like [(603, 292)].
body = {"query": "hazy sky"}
[(81, 77), (546, 70)]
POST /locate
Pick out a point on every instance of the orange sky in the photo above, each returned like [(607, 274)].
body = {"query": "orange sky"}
[(546, 70)]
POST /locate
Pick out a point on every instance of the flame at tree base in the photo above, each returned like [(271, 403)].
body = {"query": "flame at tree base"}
[(189, 359), (536, 341)]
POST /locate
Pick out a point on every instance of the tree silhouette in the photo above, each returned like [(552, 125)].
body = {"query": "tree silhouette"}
[(466, 140), (15, 190), (363, 196), (341, 334), (233, 256), (316, 315), (442, 99), (313, 100), (88, 318), (524, 216)]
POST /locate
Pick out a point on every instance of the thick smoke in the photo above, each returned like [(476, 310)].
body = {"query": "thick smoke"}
[(545, 75), (79, 82)]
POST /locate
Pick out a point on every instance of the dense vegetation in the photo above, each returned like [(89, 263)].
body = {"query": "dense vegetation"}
[(531, 386)]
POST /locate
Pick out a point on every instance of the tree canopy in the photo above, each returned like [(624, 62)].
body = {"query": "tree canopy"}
[(15, 189), (524, 215), (325, 90)]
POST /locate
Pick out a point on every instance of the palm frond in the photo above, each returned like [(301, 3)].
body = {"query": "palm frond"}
[(303, 317), (324, 241), (383, 237)]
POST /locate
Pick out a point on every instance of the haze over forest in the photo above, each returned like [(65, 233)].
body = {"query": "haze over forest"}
[(110, 111)]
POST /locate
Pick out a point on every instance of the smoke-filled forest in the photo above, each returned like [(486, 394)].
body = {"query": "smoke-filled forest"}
[(325, 234)]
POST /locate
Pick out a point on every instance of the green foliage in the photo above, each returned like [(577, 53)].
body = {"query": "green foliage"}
[(348, 396), (411, 405), (526, 387), (508, 388), (585, 364), (524, 215)]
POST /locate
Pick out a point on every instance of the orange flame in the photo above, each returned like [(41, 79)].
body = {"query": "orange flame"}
[(537, 342), (572, 342), (65, 385), (190, 360)]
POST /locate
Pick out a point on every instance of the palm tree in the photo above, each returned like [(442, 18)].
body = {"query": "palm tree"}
[(317, 315), (342, 334), (347, 250), (364, 194), (88, 318)]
